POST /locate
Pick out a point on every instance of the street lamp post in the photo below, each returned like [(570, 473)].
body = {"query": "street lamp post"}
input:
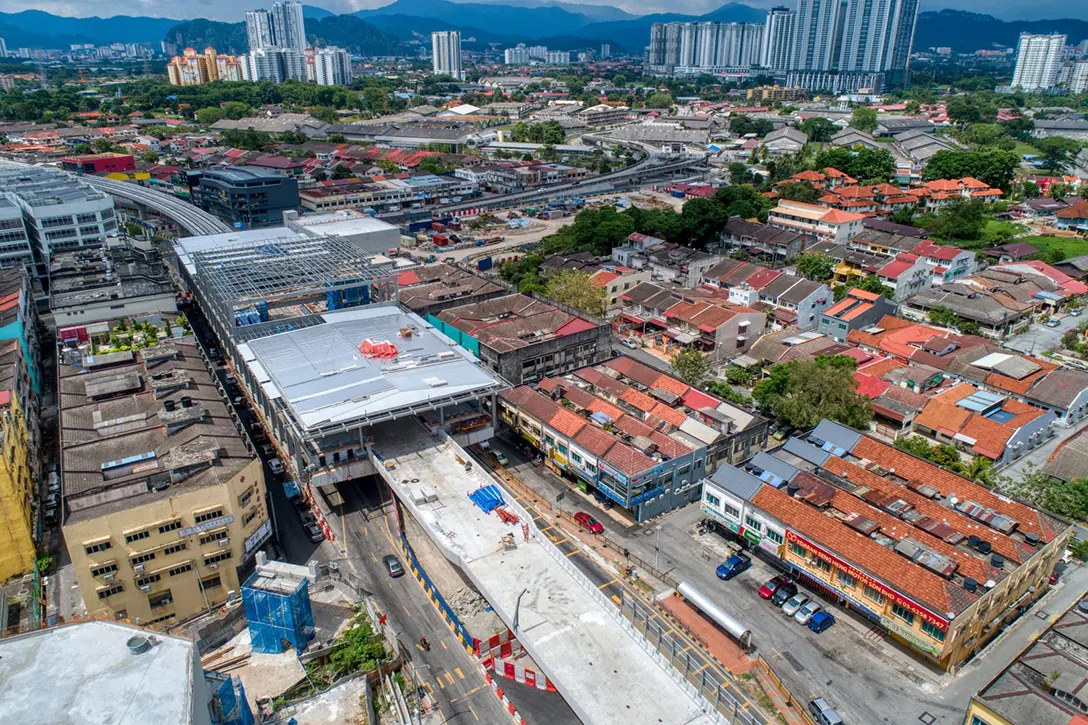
[(517, 610), (657, 549)]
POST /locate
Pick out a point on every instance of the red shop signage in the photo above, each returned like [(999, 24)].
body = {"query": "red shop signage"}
[(861, 576)]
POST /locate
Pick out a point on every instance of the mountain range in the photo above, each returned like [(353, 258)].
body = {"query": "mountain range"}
[(556, 23)]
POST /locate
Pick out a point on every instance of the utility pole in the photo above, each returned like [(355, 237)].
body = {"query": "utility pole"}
[(517, 611)]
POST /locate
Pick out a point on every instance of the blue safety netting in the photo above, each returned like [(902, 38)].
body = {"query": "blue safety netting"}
[(488, 498), (274, 617)]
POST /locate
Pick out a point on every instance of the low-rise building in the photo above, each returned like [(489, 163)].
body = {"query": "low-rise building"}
[(99, 163), (124, 278), (668, 262), (244, 197), (996, 313), (857, 310), (615, 280), (630, 434), (164, 502), (978, 422), (937, 561), (768, 243), (815, 223), (603, 115), (1044, 684), (785, 140), (524, 339)]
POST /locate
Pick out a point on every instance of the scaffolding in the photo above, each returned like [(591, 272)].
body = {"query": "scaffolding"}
[(278, 610), (274, 280)]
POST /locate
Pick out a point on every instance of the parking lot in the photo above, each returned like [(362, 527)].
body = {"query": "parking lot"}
[(1039, 338)]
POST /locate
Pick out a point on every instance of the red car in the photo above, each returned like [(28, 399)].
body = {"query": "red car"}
[(767, 590), (593, 525)]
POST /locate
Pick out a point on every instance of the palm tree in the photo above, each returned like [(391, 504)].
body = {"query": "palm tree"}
[(981, 470)]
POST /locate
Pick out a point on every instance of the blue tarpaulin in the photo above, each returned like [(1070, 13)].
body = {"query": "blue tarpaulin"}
[(488, 498)]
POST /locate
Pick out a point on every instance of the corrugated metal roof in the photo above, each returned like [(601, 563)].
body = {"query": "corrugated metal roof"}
[(737, 482), (837, 434), (806, 451)]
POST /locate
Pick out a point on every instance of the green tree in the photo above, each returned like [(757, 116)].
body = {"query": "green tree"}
[(904, 215), (360, 649), (961, 110), (864, 119), (740, 174), (1058, 152), (802, 393), (337, 138), (235, 110), (325, 113), (82, 148), (987, 134), (872, 283), (577, 290), (701, 221), (818, 129), (993, 166), (659, 100), (961, 220), (208, 116), (691, 366), (341, 171), (1030, 190), (149, 157), (816, 267), (798, 191)]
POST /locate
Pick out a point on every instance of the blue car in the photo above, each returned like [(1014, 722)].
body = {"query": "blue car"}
[(820, 621), (732, 566)]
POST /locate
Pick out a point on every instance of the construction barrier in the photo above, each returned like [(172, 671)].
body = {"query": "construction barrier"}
[(504, 699), (497, 645), (436, 597), (513, 671)]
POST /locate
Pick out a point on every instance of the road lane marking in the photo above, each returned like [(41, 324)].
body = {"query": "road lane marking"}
[(572, 553), (373, 558), (439, 681), (474, 713), (406, 610), (609, 583), (460, 674), (443, 645), (449, 677), (617, 600)]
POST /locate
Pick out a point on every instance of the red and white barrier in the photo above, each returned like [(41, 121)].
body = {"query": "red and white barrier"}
[(513, 671), (518, 720)]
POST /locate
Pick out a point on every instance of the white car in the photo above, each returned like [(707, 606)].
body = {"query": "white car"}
[(794, 603), (275, 465), (806, 611), (628, 342)]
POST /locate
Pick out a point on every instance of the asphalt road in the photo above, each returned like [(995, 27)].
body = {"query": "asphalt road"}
[(447, 672), (1039, 338)]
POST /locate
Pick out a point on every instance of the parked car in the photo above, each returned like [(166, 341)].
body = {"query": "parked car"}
[(795, 602), (767, 590), (315, 533), (732, 566), (275, 466), (268, 450), (501, 458), (821, 621), (392, 566), (784, 592), (51, 515), (1052, 323), (824, 713), (628, 342), (1076, 312), (804, 614), (230, 378), (51, 500), (591, 524)]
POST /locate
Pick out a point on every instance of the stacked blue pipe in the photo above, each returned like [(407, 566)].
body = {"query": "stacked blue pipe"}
[(488, 498)]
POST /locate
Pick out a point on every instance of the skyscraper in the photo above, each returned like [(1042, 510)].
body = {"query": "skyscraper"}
[(446, 53), (777, 39), (288, 26), (1038, 60), (877, 36), (817, 34), (331, 67), (259, 29), (518, 55)]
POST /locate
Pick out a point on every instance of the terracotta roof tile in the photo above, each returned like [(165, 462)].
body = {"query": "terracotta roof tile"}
[(627, 460), (633, 426), (639, 400), (669, 446), (566, 423), (669, 414), (594, 440), (670, 385)]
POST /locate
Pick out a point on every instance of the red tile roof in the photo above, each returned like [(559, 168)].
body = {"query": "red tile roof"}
[(627, 460), (594, 440), (639, 400), (669, 414), (670, 385), (566, 423)]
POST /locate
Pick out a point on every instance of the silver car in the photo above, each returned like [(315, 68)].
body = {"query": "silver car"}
[(794, 603), (806, 611)]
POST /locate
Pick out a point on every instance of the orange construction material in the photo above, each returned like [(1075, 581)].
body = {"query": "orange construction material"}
[(383, 349)]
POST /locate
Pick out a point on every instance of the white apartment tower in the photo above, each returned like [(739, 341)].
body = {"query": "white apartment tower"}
[(288, 26), (518, 55), (817, 34), (446, 53), (259, 29), (777, 39), (331, 67), (1038, 60), (877, 36)]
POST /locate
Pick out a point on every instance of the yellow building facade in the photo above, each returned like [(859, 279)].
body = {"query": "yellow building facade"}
[(17, 473), (173, 557)]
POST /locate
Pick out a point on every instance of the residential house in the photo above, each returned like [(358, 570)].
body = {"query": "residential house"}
[(995, 312), (1013, 252), (941, 192), (857, 310), (893, 126), (1043, 208), (1074, 216), (615, 280), (978, 422), (769, 243), (906, 274), (785, 140), (815, 223)]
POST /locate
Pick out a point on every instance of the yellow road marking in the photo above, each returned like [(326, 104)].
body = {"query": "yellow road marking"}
[(427, 687), (439, 681), (616, 599), (572, 553), (608, 583), (443, 645), (474, 713), (449, 677), (460, 675)]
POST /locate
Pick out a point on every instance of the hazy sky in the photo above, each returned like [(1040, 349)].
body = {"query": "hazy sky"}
[(232, 10)]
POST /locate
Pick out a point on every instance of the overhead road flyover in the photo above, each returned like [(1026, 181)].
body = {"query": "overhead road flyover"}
[(193, 220), (607, 672)]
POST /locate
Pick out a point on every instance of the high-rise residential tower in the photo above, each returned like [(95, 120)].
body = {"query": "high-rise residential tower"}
[(817, 34), (446, 53), (777, 39), (877, 37), (288, 26), (1038, 60), (259, 29)]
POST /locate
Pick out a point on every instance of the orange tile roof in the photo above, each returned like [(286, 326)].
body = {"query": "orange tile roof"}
[(839, 306), (943, 416), (671, 385), (639, 400), (567, 423), (916, 583), (859, 310), (863, 295), (594, 440), (1029, 519), (1021, 386), (602, 406), (835, 216), (669, 414), (879, 368)]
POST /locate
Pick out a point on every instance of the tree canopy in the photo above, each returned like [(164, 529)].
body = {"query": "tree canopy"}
[(691, 366), (818, 129), (816, 267), (864, 119), (574, 288), (992, 166), (802, 393)]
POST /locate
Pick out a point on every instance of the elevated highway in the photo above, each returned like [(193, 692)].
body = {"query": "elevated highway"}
[(606, 671), (193, 220)]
